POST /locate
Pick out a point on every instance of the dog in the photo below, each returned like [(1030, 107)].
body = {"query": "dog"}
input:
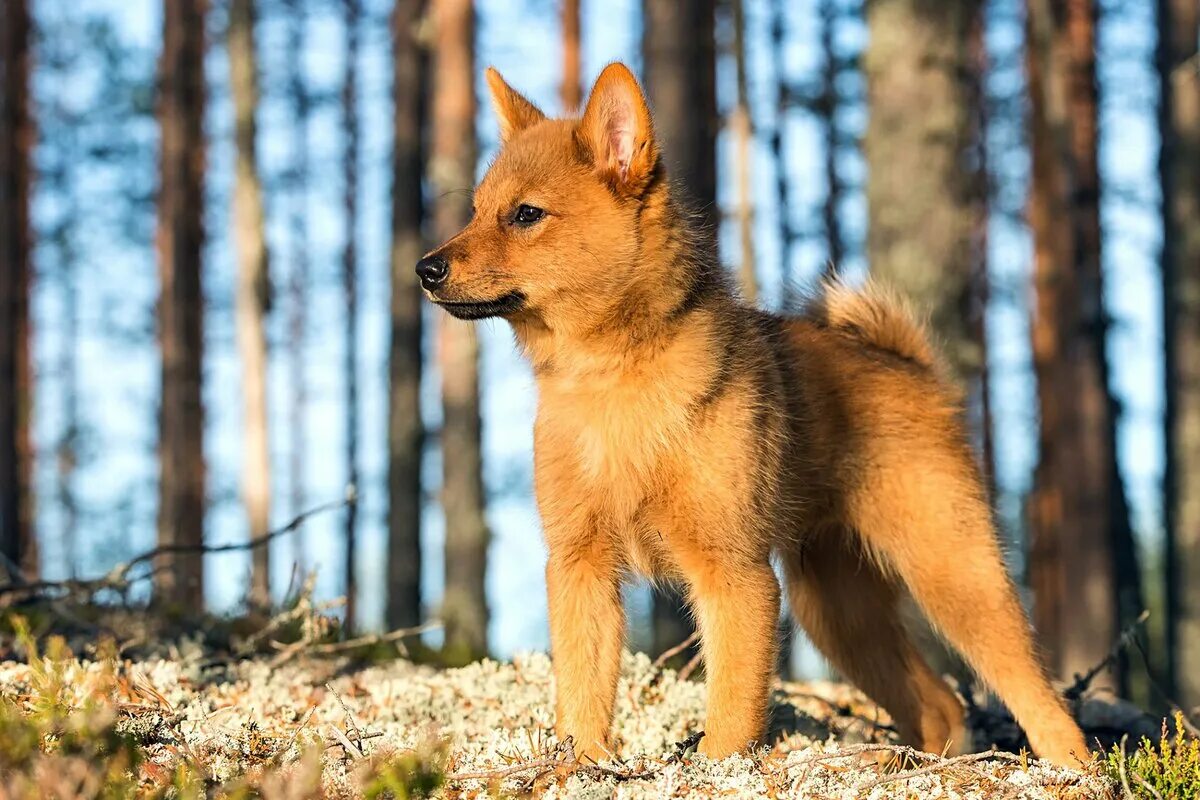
[(689, 438)]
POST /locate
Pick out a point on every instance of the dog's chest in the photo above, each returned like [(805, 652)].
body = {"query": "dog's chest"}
[(617, 436)]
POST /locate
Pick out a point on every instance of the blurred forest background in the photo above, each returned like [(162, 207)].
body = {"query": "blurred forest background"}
[(209, 323)]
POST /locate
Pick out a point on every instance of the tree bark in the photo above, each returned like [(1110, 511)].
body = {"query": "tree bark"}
[(779, 136), (742, 128), (353, 15), (18, 543), (253, 293), (405, 430), (299, 276), (1179, 174), (920, 231), (1077, 508), (679, 53), (452, 173), (828, 109), (980, 406), (571, 91), (182, 95)]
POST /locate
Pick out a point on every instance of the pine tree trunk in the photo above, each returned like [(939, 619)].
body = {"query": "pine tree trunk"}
[(679, 52), (18, 543), (571, 91), (919, 234), (828, 109), (1077, 516), (741, 125), (405, 430), (452, 173), (779, 137), (979, 406), (299, 277), (181, 307), (253, 293), (1179, 171), (353, 14)]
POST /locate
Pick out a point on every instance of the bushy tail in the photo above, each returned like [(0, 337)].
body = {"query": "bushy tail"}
[(875, 317)]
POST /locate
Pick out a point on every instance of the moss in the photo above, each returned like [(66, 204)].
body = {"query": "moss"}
[(1166, 770)]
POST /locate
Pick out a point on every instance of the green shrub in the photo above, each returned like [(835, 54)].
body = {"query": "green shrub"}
[(1168, 770)]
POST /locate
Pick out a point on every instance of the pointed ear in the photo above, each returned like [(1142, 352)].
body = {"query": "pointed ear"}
[(514, 112), (617, 130)]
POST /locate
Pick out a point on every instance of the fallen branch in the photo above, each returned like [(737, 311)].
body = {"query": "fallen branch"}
[(309, 646), (1127, 638), (690, 666), (562, 756), (858, 750), (118, 578), (351, 726), (670, 653), (370, 640), (944, 763)]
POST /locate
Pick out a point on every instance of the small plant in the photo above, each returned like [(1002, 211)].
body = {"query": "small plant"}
[(407, 775), (1168, 770)]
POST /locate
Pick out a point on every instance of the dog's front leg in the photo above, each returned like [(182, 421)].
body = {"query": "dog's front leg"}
[(737, 606), (587, 624)]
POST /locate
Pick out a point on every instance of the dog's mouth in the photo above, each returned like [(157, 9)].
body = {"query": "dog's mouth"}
[(502, 306)]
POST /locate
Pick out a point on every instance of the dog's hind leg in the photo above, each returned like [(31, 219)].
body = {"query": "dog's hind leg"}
[(929, 522), (850, 611)]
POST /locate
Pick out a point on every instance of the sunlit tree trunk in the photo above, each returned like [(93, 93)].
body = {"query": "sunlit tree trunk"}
[(18, 545), (298, 275), (452, 174), (1179, 172), (253, 292), (742, 127), (353, 13), (679, 51), (1079, 526), (405, 430), (182, 95), (571, 91), (919, 233), (779, 139)]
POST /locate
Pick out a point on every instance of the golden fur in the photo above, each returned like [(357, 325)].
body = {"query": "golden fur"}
[(683, 436)]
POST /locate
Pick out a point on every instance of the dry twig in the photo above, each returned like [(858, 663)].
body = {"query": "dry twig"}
[(690, 666), (670, 653), (350, 724), (942, 763)]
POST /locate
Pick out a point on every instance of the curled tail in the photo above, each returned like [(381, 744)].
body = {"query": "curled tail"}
[(876, 318)]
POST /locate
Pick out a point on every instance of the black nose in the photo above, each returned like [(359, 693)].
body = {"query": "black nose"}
[(433, 271)]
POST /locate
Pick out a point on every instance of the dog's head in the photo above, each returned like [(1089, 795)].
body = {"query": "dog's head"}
[(555, 229)]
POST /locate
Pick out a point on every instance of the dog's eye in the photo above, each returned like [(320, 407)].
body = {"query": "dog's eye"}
[(527, 215)]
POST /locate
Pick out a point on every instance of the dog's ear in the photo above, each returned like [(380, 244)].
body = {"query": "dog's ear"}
[(512, 109), (617, 130)]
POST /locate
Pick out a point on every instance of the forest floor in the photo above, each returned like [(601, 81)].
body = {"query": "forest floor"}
[(178, 721)]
